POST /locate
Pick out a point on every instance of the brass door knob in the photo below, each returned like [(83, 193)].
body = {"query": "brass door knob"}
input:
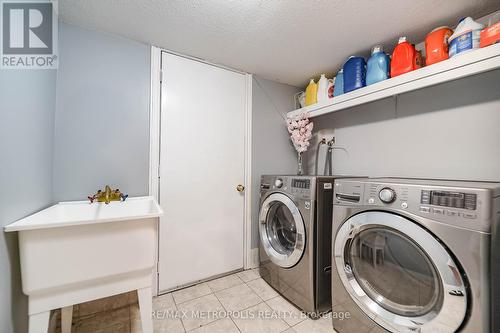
[(240, 188)]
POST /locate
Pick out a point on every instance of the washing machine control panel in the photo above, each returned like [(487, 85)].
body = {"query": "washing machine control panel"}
[(301, 187), (297, 187), (459, 200), (301, 183), (460, 206), (387, 195), (452, 204)]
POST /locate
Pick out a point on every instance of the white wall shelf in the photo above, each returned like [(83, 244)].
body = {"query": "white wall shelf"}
[(474, 62)]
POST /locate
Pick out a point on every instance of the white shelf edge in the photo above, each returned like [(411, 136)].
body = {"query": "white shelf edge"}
[(471, 63)]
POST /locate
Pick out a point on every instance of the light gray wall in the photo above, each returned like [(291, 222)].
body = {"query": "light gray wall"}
[(27, 105), (450, 131), (272, 151), (102, 117)]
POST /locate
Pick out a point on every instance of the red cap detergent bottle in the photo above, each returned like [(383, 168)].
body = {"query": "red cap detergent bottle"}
[(405, 58)]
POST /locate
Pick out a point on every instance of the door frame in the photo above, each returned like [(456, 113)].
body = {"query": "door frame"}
[(250, 258)]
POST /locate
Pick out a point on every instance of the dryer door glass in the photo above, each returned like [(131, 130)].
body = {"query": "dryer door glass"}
[(281, 229), (395, 272)]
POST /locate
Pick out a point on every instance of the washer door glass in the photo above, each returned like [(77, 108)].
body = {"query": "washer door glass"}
[(281, 229), (399, 274), (394, 271)]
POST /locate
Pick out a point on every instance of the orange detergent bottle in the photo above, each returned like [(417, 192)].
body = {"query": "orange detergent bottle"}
[(405, 58), (436, 45), (490, 35)]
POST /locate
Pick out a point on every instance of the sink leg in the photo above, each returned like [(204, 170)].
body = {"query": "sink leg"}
[(146, 307), (66, 318), (39, 322)]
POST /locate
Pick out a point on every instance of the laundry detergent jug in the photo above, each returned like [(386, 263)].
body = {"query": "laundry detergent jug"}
[(311, 93), (436, 45), (338, 89), (322, 94), (354, 73), (377, 67), (405, 58), (466, 37), (490, 35)]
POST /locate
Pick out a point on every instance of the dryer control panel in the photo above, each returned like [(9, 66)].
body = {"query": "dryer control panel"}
[(444, 201)]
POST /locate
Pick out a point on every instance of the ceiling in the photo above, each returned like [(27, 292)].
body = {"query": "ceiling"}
[(283, 40)]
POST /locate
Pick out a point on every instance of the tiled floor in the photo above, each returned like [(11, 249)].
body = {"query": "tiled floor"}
[(241, 302)]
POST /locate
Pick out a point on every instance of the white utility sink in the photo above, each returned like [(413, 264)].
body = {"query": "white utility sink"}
[(75, 252)]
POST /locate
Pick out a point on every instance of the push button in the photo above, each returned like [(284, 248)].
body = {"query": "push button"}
[(451, 213), (425, 197), (425, 209), (438, 211), (469, 216)]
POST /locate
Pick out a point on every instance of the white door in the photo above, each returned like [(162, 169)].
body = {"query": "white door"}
[(202, 161)]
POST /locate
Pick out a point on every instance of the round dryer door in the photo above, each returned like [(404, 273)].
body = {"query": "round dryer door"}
[(399, 274), (282, 231)]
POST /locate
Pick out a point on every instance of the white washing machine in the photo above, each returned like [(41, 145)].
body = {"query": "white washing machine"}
[(413, 255)]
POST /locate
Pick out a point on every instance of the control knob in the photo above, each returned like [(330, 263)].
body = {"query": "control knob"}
[(387, 195), (278, 182)]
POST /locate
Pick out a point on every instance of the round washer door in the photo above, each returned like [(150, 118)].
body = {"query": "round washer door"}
[(282, 230), (400, 275)]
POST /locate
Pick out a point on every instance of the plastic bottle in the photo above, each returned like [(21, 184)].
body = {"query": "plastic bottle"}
[(354, 73), (405, 58), (466, 37), (491, 34), (436, 45), (331, 87), (338, 89), (377, 67), (311, 93), (322, 94)]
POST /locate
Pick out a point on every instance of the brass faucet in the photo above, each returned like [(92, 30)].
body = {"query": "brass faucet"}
[(108, 195)]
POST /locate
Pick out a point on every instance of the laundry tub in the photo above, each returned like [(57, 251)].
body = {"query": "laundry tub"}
[(74, 252)]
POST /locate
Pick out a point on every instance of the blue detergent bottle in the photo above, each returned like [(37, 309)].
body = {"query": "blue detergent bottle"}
[(354, 74), (377, 67), (338, 88)]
